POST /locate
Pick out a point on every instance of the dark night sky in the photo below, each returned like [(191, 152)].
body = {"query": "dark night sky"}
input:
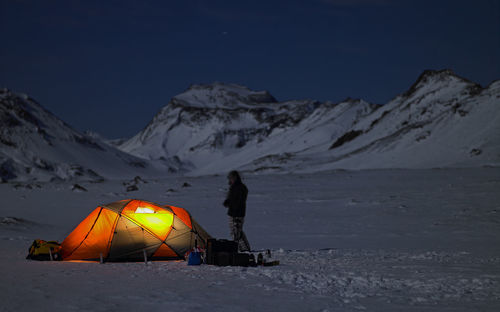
[(109, 66)]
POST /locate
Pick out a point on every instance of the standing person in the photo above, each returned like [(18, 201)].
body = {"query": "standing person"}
[(236, 203)]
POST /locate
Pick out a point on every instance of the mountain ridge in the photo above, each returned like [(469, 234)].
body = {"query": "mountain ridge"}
[(37, 145), (233, 136), (441, 120)]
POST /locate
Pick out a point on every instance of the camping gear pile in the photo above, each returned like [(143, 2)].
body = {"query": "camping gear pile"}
[(223, 252), (43, 250)]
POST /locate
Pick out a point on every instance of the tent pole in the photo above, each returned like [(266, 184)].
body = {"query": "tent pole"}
[(145, 256)]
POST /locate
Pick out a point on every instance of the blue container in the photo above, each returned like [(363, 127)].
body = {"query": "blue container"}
[(194, 258)]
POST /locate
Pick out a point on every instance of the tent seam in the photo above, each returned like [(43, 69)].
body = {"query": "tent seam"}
[(111, 235), (142, 226)]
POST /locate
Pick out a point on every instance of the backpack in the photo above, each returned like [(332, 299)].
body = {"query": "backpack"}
[(44, 251)]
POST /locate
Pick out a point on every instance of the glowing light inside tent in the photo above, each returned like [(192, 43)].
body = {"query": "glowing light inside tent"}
[(144, 210), (158, 223)]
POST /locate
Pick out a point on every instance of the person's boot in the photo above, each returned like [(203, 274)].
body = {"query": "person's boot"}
[(260, 259)]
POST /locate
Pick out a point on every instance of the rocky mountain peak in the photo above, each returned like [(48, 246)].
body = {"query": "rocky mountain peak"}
[(435, 79), (37, 145), (222, 95)]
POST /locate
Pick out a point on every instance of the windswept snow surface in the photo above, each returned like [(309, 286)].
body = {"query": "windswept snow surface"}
[(378, 240)]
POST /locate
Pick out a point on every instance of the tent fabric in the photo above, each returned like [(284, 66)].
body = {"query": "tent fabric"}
[(126, 230)]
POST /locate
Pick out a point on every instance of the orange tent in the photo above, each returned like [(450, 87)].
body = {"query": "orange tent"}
[(127, 230)]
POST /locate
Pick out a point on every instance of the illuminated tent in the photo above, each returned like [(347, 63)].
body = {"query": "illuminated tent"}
[(127, 230)]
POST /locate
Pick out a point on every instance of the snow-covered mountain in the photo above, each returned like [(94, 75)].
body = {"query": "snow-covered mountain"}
[(36, 145), (442, 120), (213, 127)]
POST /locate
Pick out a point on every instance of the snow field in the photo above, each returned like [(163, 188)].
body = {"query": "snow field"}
[(374, 240)]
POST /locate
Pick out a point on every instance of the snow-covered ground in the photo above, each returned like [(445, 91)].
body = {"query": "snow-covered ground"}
[(375, 240)]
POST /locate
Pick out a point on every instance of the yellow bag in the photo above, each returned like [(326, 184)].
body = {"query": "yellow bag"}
[(43, 250)]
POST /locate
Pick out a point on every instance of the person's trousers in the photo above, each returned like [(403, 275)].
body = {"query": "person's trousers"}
[(236, 228)]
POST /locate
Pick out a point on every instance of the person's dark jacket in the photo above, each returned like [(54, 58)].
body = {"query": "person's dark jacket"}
[(236, 200)]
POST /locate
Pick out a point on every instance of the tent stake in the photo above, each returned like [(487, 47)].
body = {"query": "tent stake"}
[(145, 256)]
